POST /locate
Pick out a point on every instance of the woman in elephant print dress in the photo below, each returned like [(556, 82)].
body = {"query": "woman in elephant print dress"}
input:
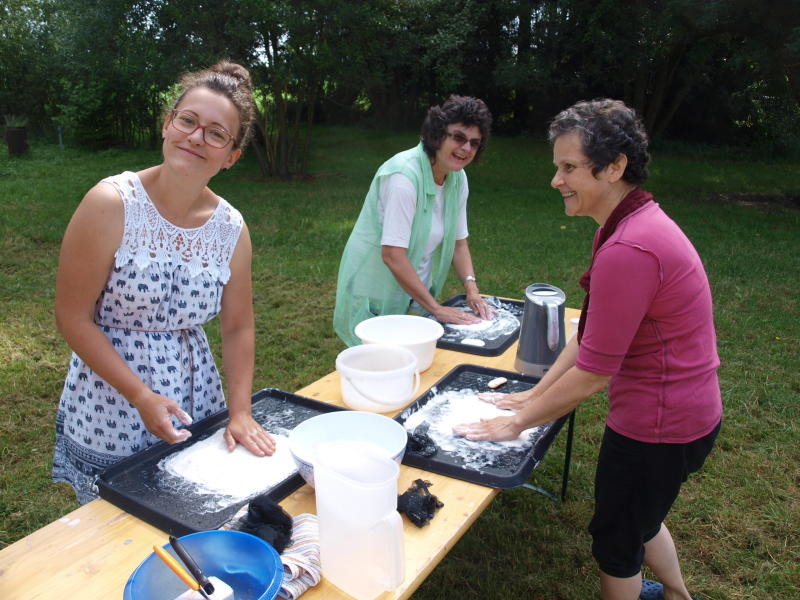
[(147, 258)]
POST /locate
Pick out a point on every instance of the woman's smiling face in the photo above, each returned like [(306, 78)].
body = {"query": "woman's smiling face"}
[(583, 192), (457, 149), (190, 150)]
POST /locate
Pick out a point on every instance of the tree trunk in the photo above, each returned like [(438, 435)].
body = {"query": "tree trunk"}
[(521, 106), (665, 119), (664, 78), (282, 135), (312, 102), (262, 155), (294, 145)]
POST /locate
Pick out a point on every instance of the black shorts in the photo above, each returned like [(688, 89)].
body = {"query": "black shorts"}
[(636, 484)]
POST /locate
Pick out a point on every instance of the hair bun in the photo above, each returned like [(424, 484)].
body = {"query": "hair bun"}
[(234, 70)]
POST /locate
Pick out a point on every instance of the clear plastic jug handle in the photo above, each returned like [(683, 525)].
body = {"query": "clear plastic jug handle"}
[(393, 523)]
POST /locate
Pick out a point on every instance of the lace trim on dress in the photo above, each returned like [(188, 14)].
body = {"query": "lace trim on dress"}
[(150, 238)]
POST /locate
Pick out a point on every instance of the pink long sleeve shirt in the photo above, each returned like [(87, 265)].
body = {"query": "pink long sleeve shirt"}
[(650, 327)]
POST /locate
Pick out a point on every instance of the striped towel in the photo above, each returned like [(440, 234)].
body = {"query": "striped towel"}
[(301, 564)]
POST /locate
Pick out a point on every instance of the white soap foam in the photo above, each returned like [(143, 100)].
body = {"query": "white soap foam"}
[(502, 323), (212, 469), (445, 410), (469, 327)]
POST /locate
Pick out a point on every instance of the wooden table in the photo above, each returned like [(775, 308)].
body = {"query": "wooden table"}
[(90, 552)]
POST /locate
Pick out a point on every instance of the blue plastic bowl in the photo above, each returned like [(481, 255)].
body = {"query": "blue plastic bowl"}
[(245, 562)]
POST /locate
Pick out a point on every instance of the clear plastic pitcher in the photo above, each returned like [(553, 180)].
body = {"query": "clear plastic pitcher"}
[(360, 530)]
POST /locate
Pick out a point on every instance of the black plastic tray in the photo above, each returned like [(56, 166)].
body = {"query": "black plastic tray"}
[(509, 468), (133, 483), (452, 339)]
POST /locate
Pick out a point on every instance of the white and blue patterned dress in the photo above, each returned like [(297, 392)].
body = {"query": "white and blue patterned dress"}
[(166, 282)]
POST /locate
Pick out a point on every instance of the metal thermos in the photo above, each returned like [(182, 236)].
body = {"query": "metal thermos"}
[(542, 336)]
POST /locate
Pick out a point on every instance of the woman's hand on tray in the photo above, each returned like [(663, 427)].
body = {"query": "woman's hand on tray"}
[(499, 429), (478, 305), (245, 430), (515, 401), (454, 315)]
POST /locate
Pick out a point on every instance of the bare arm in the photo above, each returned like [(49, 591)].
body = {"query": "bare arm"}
[(565, 394), (396, 259), (86, 259), (561, 390), (564, 361), (237, 329), (462, 261)]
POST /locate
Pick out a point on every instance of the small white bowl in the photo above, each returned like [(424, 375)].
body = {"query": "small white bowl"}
[(418, 334), (345, 425)]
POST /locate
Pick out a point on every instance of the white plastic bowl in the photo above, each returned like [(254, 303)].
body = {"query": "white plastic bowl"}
[(345, 425), (418, 334)]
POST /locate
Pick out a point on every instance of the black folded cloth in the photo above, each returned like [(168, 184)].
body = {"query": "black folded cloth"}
[(267, 520), (419, 442), (418, 503)]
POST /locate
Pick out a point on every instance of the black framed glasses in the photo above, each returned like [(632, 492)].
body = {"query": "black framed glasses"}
[(214, 135), (460, 139)]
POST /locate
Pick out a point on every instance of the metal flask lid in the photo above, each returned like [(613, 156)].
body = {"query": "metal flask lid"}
[(544, 293)]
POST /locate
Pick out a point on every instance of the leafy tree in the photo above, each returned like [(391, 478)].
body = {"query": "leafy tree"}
[(106, 90), (723, 70), (284, 43), (25, 48), (292, 39), (679, 62)]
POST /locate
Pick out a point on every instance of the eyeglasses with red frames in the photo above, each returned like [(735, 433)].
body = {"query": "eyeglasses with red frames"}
[(214, 135), (460, 139)]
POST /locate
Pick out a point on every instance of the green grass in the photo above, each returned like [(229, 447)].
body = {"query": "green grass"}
[(736, 523)]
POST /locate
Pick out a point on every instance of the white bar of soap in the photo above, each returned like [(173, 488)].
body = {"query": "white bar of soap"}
[(222, 591), (497, 382)]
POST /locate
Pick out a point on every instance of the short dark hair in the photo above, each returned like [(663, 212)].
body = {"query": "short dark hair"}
[(231, 80), (456, 109), (608, 128)]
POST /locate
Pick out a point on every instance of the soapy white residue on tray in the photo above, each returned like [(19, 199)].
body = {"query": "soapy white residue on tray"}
[(274, 419), (444, 410), (502, 323), (211, 469), (481, 325)]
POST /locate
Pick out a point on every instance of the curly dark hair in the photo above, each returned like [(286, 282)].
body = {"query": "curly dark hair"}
[(608, 128), (231, 80), (466, 110)]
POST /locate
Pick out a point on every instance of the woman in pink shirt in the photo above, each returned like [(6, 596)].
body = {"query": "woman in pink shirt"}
[(646, 332)]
